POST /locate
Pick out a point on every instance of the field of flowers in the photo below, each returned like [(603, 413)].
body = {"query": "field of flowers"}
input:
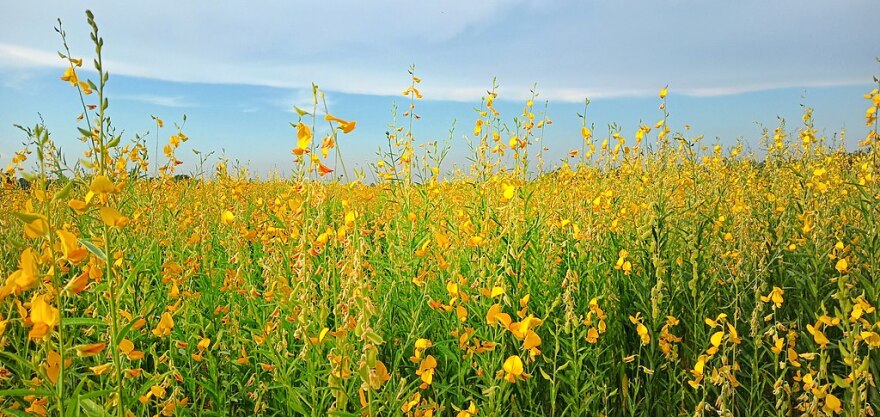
[(652, 275)]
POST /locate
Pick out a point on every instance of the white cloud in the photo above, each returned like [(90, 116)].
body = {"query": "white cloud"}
[(17, 79), (157, 100), (302, 98), (709, 91), (17, 56)]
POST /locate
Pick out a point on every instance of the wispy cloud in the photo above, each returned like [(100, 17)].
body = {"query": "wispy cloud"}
[(17, 79), (158, 100), (711, 91), (18, 56), (303, 99)]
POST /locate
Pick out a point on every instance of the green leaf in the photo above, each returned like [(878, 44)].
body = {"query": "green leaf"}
[(83, 321), (544, 375), (300, 111), (113, 143), (21, 392), (92, 409), (64, 192), (840, 382), (94, 249), (373, 337), (26, 217), (11, 412)]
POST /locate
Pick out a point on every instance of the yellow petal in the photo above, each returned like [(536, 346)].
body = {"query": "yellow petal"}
[(102, 184), (113, 217), (513, 365)]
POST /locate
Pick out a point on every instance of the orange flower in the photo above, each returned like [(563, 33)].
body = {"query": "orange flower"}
[(323, 169), (346, 126), (90, 349)]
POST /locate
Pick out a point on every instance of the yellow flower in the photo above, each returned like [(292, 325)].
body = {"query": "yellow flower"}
[(127, 347), (496, 291), (592, 335), (531, 343), (426, 371), (622, 263), (663, 92), (777, 344), (412, 403), (734, 335), (166, 324), (507, 192), (53, 366), (513, 369), (101, 369), (423, 344), (842, 265), (70, 247), (24, 278), (775, 295), (871, 338), (43, 316), (322, 335), (496, 316), (113, 217), (818, 336), (102, 185), (36, 225), (303, 139), (641, 330), (586, 133), (468, 412), (415, 92), (521, 329), (227, 217), (78, 205), (85, 87), (716, 338), (832, 404), (379, 375), (717, 321), (70, 76), (699, 367)]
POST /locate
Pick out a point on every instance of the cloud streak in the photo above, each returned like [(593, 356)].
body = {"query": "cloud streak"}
[(157, 100)]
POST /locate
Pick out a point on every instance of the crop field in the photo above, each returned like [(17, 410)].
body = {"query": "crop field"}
[(655, 275)]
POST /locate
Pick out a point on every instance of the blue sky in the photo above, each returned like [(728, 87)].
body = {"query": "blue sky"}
[(237, 68)]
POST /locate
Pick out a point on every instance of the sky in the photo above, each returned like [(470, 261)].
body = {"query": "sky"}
[(236, 69)]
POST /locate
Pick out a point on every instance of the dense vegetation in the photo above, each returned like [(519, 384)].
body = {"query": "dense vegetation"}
[(654, 275)]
